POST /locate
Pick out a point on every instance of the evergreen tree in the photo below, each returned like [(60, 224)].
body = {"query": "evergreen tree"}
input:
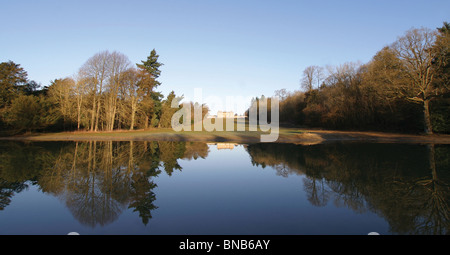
[(151, 65), (151, 102), (12, 77)]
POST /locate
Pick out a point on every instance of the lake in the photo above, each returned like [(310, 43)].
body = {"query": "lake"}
[(188, 188)]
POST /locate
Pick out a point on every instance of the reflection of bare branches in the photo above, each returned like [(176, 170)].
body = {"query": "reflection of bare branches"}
[(98, 180), (438, 209), (428, 200), (282, 170), (92, 207), (436, 196), (317, 192), (404, 184), (94, 194), (348, 196)]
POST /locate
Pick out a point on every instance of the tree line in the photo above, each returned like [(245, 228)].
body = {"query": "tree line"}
[(107, 93), (405, 88)]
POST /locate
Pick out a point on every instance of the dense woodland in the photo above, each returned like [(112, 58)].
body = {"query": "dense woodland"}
[(404, 88), (107, 93)]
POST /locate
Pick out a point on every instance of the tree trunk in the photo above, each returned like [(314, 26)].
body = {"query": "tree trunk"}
[(96, 115), (432, 159), (427, 117), (113, 117), (99, 99), (133, 113), (93, 115), (132, 120), (79, 102), (78, 121), (131, 158)]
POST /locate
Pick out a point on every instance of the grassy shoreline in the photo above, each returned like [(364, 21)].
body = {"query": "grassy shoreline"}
[(286, 135)]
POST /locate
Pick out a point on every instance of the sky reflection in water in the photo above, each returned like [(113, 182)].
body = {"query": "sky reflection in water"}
[(198, 188)]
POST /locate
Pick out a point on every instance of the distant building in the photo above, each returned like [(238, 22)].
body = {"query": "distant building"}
[(225, 115), (224, 146), (221, 114)]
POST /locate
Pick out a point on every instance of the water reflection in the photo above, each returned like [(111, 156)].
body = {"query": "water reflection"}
[(96, 180), (407, 185)]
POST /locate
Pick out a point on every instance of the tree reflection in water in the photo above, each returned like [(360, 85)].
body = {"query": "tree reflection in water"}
[(407, 185), (96, 180)]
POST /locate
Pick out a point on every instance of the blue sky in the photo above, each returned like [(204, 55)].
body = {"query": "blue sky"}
[(226, 48)]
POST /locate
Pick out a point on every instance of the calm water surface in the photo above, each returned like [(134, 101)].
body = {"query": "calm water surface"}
[(197, 188)]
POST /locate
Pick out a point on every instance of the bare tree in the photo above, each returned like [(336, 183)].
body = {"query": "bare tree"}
[(414, 49), (80, 91), (132, 92), (342, 74), (282, 94), (97, 69), (118, 64), (319, 76), (312, 76)]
